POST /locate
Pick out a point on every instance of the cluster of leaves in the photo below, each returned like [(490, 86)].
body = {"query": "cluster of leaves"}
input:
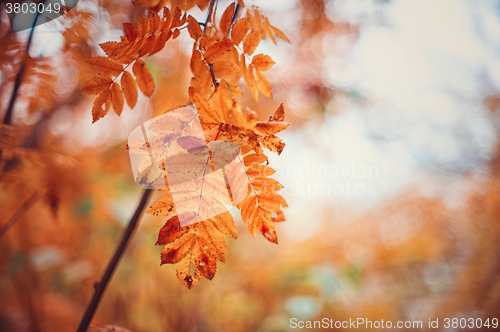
[(218, 62)]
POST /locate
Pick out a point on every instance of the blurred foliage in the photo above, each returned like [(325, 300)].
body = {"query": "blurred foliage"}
[(410, 258)]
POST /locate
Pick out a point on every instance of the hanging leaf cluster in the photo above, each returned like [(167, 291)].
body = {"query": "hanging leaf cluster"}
[(222, 56)]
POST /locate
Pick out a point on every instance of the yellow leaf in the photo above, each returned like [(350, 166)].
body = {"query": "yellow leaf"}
[(117, 98), (262, 62), (263, 84), (97, 85), (105, 66), (144, 78), (251, 42), (240, 29), (225, 69), (194, 28), (129, 88), (225, 21)]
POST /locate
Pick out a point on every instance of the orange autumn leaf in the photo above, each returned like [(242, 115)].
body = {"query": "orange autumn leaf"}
[(240, 29), (101, 106), (262, 62), (280, 34), (251, 42), (263, 84), (105, 66), (279, 114), (225, 69), (250, 78), (117, 98), (97, 85), (144, 78), (129, 88), (194, 28), (225, 21), (218, 50)]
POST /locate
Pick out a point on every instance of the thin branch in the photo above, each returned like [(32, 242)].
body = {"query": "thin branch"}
[(100, 286), (19, 78), (22, 209)]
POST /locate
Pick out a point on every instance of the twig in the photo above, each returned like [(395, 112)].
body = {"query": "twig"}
[(19, 78), (100, 286), (22, 209)]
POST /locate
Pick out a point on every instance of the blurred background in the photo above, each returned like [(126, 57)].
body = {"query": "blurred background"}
[(391, 173)]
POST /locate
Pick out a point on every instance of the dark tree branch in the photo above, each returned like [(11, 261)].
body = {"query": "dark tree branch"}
[(19, 78), (100, 286)]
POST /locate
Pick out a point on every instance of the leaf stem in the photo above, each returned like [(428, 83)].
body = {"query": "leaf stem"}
[(100, 286)]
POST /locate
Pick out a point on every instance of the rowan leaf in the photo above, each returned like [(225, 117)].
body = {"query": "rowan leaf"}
[(240, 30), (162, 39), (176, 33), (129, 88), (226, 19), (109, 47), (262, 62), (250, 80), (105, 66), (225, 69), (194, 28), (143, 26), (144, 78), (117, 98), (280, 34), (251, 42), (270, 128), (218, 50), (263, 84), (97, 85), (130, 32), (154, 22), (279, 114), (101, 106)]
